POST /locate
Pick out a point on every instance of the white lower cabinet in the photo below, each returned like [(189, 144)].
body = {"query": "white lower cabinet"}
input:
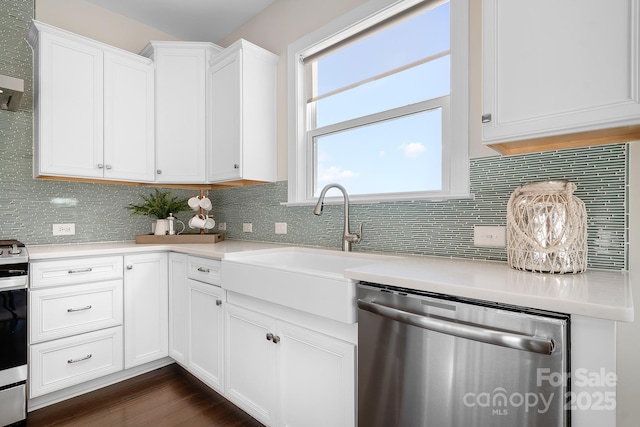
[(250, 369), (75, 322), (71, 310), (206, 332), (61, 363), (286, 375), (146, 308), (178, 331)]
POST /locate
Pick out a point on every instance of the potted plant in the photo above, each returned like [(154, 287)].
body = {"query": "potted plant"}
[(159, 205)]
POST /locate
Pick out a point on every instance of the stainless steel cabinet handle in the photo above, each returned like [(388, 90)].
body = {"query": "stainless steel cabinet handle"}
[(236, 166), (486, 118), (269, 336), (479, 333), (87, 357), (276, 339), (159, 171), (129, 267), (100, 165), (108, 166), (80, 270), (73, 310), (203, 270), (218, 302)]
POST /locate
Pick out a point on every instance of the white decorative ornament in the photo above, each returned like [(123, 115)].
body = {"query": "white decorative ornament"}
[(547, 228)]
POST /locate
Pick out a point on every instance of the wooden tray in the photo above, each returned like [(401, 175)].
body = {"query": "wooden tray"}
[(181, 238)]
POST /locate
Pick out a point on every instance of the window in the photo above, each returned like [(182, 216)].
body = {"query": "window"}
[(379, 104)]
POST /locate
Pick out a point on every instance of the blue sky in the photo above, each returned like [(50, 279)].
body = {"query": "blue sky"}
[(404, 153)]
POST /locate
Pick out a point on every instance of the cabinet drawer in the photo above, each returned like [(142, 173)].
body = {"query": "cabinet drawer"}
[(71, 310), (204, 270), (58, 364), (77, 270)]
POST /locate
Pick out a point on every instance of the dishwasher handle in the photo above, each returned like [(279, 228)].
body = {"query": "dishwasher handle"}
[(479, 333)]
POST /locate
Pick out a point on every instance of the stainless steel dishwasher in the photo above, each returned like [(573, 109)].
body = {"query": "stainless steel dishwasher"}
[(431, 360)]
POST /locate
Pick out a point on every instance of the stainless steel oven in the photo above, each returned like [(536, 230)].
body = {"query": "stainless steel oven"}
[(14, 273), (431, 360)]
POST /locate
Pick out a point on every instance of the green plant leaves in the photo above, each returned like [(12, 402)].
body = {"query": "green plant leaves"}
[(158, 205)]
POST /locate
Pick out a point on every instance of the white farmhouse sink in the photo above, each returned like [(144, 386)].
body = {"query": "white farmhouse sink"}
[(311, 280)]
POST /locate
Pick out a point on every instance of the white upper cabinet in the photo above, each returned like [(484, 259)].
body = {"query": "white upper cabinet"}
[(182, 130), (243, 114), (128, 117), (93, 109), (558, 68)]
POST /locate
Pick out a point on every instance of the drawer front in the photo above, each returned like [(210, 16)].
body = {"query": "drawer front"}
[(58, 364), (71, 310), (76, 270), (204, 270)]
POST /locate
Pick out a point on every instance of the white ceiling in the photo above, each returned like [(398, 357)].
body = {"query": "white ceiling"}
[(189, 20)]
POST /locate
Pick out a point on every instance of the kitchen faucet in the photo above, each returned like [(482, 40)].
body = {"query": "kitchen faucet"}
[(347, 236)]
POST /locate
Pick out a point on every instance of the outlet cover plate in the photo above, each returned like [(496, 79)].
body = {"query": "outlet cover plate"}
[(490, 236), (64, 229)]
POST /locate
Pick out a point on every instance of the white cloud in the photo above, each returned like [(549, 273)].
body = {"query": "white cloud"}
[(413, 149), (334, 173)]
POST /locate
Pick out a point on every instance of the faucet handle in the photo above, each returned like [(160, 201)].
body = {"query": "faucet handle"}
[(355, 237)]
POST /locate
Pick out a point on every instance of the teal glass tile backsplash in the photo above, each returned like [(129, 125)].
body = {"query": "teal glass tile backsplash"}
[(445, 228), (29, 207)]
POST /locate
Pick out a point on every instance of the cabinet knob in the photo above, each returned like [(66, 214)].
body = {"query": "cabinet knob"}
[(276, 339), (129, 267), (486, 118), (236, 166), (108, 166), (269, 336), (218, 302), (159, 171), (100, 165)]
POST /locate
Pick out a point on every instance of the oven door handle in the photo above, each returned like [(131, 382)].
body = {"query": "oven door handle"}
[(474, 332), (17, 282)]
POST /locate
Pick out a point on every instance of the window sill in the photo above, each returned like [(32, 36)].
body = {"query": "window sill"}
[(354, 200)]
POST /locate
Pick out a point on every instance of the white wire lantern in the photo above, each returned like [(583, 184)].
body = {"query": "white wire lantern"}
[(547, 228)]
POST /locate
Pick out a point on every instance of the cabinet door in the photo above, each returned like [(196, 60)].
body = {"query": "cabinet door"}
[(225, 116), (69, 136), (146, 309), (128, 113), (250, 369), (206, 333), (178, 307), (316, 379), (558, 67), (180, 115)]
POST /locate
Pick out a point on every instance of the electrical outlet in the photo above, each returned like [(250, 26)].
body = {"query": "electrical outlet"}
[(222, 226), (247, 227), (490, 236), (281, 228), (64, 229)]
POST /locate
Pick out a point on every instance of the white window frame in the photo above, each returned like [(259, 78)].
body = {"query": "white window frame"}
[(455, 179)]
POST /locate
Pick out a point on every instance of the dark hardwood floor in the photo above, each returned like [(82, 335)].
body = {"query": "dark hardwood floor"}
[(169, 396)]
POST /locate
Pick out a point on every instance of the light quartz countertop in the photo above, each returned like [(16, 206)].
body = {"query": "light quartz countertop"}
[(604, 294)]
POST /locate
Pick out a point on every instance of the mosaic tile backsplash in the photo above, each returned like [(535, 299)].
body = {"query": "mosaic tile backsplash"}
[(445, 228), (29, 208)]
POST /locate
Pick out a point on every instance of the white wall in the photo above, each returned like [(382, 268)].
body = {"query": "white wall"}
[(89, 20)]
